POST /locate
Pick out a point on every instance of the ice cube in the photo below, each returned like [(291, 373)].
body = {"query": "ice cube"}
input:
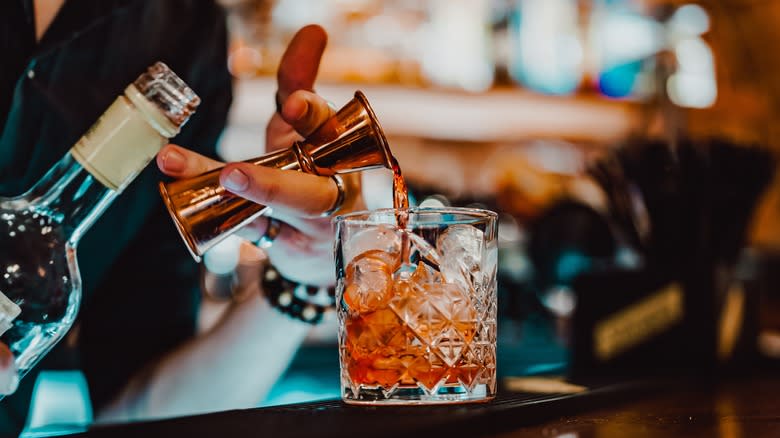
[(426, 251), (423, 276), (489, 267), (384, 238), (490, 261), (416, 309), (369, 281), (460, 248), (360, 340), (450, 300), (375, 344)]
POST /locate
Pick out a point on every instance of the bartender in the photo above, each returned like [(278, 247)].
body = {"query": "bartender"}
[(63, 63)]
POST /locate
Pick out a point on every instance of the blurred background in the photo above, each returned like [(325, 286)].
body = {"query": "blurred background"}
[(629, 147), (511, 104)]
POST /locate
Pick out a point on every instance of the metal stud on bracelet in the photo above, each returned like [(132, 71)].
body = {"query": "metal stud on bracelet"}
[(295, 299)]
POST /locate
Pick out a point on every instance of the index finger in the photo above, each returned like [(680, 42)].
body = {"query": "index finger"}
[(289, 191), (179, 162)]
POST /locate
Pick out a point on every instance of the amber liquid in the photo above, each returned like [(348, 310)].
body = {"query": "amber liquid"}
[(401, 206), (400, 195)]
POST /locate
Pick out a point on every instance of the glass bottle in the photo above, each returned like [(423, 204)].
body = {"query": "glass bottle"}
[(40, 286)]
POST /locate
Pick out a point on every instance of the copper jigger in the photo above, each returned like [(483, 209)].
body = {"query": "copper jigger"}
[(205, 213)]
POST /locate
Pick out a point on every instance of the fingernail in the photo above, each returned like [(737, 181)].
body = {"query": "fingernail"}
[(236, 181), (174, 161)]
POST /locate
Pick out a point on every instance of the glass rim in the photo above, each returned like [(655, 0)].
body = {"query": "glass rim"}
[(354, 217)]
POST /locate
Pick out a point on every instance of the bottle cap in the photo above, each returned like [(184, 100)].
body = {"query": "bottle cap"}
[(160, 85)]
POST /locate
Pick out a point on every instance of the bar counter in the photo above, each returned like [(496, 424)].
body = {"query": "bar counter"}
[(744, 406)]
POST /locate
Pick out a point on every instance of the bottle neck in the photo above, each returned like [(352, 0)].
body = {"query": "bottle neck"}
[(72, 196), (102, 163)]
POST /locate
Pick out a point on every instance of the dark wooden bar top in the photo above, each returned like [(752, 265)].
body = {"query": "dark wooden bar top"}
[(734, 407), (747, 407)]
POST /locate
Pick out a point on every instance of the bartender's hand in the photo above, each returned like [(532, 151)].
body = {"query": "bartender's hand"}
[(303, 249), (8, 377)]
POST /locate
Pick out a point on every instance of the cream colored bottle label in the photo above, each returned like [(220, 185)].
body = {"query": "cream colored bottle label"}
[(119, 145)]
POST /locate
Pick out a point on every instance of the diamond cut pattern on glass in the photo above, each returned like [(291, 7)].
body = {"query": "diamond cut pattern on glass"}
[(430, 334)]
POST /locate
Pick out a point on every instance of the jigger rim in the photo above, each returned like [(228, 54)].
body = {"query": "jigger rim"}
[(376, 127), (181, 226)]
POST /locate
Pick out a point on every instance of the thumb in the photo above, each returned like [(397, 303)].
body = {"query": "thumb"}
[(301, 61)]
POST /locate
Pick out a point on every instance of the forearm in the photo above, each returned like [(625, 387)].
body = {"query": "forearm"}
[(232, 366)]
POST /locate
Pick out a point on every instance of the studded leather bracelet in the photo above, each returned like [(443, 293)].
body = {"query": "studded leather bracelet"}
[(299, 301)]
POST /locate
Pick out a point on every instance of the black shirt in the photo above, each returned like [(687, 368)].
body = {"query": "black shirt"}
[(139, 283), (17, 36)]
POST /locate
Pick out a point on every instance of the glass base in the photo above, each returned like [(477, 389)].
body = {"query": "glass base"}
[(399, 396)]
